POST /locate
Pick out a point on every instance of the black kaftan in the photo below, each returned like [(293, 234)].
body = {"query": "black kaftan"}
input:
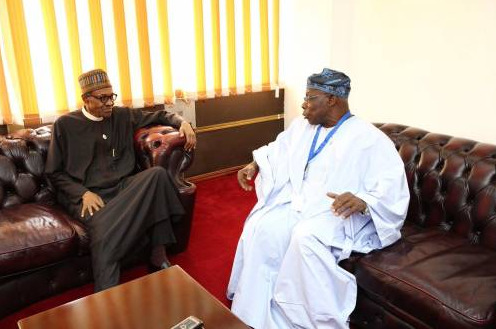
[(98, 156)]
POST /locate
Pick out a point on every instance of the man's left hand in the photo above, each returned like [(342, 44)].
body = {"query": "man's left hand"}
[(346, 204), (187, 130)]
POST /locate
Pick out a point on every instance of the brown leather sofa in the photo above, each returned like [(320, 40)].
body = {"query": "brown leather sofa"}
[(43, 251), (442, 273)]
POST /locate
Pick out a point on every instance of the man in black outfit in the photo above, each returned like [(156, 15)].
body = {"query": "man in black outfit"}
[(91, 163)]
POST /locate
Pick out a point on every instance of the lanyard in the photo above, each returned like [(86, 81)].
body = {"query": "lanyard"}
[(313, 153)]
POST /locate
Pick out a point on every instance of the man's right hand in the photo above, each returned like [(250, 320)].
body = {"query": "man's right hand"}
[(91, 203), (246, 174)]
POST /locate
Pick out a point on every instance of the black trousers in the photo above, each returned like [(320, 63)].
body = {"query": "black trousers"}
[(140, 205)]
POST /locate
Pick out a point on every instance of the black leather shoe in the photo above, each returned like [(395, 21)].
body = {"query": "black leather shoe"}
[(154, 268)]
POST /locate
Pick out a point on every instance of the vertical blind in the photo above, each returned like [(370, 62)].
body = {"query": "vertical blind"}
[(153, 51)]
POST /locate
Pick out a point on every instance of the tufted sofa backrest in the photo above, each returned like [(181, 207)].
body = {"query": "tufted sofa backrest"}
[(22, 163), (452, 182), (23, 155)]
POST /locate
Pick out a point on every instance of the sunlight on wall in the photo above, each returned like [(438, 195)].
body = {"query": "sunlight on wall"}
[(432, 69), (422, 63)]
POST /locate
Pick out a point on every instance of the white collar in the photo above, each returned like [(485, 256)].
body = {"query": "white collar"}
[(91, 116)]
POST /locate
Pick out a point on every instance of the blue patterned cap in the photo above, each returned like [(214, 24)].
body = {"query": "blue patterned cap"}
[(330, 82)]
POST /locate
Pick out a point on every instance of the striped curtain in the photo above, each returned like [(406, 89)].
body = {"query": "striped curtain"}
[(153, 51)]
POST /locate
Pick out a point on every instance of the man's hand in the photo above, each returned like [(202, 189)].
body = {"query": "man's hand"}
[(91, 203), (346, 204), (187, 130), (246, 174)]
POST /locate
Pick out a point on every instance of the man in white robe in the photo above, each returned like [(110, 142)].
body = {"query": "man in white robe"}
[(328, 185)]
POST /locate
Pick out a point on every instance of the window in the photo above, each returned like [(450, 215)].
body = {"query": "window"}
[(153, 51)]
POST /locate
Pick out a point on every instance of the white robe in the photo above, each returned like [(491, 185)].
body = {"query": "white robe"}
[(285, 272)]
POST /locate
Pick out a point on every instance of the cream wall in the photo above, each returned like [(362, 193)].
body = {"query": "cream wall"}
[(424, 63), (302, 48)]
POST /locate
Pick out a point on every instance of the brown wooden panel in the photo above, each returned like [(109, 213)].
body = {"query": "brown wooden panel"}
[(239, 107), (226, 148)]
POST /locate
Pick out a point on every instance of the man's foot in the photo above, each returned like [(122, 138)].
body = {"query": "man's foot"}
[(154, 268), (165, 264), (158, 259)]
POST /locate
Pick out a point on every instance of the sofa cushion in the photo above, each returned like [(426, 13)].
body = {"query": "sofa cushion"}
[(33, 235), (434, 276)]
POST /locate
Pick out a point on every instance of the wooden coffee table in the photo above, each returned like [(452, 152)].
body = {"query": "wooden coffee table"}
[(159, 300)]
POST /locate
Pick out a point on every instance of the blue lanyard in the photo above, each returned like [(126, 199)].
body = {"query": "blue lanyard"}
[(313, 153)]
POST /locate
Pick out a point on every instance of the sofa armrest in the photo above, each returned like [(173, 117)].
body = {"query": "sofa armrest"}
[(162, 146)]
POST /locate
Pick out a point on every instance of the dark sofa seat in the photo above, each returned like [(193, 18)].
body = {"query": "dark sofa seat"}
[(34, 235), (442, 272), (439, 279)]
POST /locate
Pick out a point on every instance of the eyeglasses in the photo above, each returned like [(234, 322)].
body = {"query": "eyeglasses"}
[(312, 97), (105, 98)]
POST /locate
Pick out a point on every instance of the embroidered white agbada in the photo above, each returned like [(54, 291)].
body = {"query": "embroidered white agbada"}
[(285, 272)]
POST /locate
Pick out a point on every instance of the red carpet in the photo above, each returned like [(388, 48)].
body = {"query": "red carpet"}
[(220, 210)]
